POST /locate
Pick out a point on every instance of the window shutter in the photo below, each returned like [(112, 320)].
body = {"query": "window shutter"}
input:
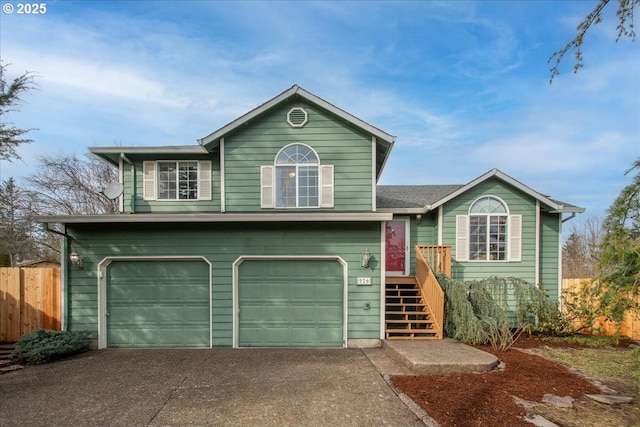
[(149, 184), (326, 186), (515, 238), (266, 186), (204, 180), (462, 238)]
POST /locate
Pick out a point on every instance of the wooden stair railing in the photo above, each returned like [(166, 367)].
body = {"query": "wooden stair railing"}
[(432, 292), (406, 314), (414, 305)]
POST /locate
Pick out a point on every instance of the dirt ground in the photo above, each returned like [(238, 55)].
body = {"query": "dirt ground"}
[(470, 400)]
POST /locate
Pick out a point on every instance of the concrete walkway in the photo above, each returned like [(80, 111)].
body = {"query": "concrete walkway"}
[(221, 387), (439, 357), (231, 387)]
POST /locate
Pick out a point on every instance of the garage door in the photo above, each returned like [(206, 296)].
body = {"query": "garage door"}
[(158, 304), (286, 303)]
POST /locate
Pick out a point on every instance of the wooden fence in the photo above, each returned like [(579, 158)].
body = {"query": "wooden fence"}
[(630, 325), (29, 299)]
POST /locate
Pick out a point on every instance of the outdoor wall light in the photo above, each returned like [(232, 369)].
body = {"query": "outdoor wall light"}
[(76, 259), (418, 219), (366, 256)]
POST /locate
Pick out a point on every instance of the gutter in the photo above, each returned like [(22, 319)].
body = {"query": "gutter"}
[(218, 218)]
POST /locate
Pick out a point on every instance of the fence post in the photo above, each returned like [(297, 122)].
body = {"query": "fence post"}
[(29, 299), (9, 304)]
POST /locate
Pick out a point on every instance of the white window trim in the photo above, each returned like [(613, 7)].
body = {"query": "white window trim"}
[(513, 240), (150, 180), (269, 182)]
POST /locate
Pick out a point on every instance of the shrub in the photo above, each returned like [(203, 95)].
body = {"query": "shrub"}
[(44, 346), (495, 310)]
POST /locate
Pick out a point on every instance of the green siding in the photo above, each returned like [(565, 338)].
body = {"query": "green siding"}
[(134, 202), (222, 244), (518, 204), (337, 144), (425, 233), (550, 232)]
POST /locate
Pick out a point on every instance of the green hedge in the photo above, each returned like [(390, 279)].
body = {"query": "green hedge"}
[(44, 346)]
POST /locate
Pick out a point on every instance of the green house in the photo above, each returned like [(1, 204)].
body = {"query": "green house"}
[(273, 232)]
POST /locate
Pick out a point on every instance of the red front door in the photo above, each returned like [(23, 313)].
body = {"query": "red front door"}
[(396, 244)]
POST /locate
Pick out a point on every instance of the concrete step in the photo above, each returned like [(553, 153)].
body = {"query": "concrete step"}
[(439, 356)]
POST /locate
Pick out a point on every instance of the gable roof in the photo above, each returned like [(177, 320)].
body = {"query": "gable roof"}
[(420, 199), (411, 198), (384, 141)]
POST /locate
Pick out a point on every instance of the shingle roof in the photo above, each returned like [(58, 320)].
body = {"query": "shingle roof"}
[(411, 196)]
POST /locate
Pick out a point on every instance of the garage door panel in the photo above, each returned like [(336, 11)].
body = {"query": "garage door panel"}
[(274, 291), (286, 302), (305, 336), (276, 313), (252, 313), (304, 291), (303, 313), (158, 304), (328, 313), (326, 336), (277, 336)]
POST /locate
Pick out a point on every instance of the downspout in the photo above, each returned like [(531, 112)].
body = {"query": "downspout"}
[(537, 243), (374, 182), (132, 204), (64, 271), (570, 217), (223, 191)]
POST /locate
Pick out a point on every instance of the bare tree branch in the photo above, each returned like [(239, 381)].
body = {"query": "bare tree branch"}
[(625, 28)]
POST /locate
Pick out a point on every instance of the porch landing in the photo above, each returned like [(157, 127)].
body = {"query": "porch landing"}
[(429, 357)]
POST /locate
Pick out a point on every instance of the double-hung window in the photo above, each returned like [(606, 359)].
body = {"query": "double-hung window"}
[(296, 180), (177, 180), (488, 233)]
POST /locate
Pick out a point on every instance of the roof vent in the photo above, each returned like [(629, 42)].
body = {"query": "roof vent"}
[(297, 117)]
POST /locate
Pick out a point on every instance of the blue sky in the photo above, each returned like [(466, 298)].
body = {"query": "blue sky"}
[(463, 85)]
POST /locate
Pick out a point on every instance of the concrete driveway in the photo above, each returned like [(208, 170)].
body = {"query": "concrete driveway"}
[(221, 387)]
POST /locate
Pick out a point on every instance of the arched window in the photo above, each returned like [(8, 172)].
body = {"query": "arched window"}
[(296, 179), (297, 182), (488, 218)]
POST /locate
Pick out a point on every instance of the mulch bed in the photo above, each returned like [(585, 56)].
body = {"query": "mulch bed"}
[(469, 400)]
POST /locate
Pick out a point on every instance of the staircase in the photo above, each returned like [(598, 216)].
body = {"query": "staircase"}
[(407, 315), (6, 364)]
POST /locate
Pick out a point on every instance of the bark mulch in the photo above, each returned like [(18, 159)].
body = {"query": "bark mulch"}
[(485, 399)]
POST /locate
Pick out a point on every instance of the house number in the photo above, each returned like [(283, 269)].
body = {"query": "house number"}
[(363, 281)]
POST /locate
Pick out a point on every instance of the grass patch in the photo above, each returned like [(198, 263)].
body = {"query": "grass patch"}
[(595, 341), (617, 368)]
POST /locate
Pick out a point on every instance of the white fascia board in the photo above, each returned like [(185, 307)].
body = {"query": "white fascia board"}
[(403, 211), (216, 135), (295, 90), (217, 217), (111, 154), (506, 178), (568, 209)]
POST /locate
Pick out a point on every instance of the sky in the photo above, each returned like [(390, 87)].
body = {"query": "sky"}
[(464, 85)]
